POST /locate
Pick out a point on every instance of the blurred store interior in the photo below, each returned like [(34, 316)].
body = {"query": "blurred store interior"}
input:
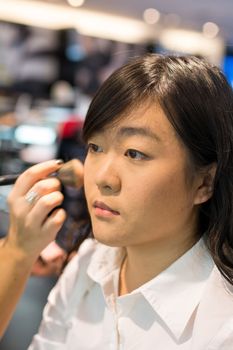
[(54, 55)]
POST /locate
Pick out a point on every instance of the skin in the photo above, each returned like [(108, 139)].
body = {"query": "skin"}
[(31, 230), (141, 170), (50, 261)]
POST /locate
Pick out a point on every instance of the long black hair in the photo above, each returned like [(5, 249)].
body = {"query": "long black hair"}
[(198, 101)]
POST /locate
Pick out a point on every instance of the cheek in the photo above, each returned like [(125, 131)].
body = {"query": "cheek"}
[(164, 193), (87, 181), (175, 202)]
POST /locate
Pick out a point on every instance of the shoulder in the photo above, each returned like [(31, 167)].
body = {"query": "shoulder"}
[(218, 296), (220, 286), (81, 258), (213, 327), (224, 337), (74, 276)]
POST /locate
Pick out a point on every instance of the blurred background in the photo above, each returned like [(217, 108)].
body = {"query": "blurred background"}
[(54, 55)]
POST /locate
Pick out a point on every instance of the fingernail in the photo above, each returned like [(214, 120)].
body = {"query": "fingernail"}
[(59, 161)]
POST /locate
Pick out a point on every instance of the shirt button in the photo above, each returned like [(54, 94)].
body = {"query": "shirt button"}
[(112, 299)]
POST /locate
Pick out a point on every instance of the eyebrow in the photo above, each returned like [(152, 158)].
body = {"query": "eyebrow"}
[(137, 131)]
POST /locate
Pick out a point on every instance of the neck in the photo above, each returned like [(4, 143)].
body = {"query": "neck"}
[(143, 263)]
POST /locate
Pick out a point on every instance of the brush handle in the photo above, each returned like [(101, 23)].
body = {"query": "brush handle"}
[(8, 179), (70, 174)]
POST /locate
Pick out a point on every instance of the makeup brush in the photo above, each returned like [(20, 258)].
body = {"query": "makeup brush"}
[(70, 174)]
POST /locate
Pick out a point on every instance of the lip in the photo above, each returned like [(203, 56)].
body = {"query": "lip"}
[(102, 209)]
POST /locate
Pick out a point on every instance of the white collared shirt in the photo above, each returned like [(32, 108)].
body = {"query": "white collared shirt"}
[(84, 311)]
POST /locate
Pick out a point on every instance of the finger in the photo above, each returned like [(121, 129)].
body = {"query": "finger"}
[(42, 188), (32, 237), (41, 268), (20, 206), (43, 208), (54, 222), (32, 175), (32, 214), (51, 268), (52, 252), (47, 185), (39, 234)]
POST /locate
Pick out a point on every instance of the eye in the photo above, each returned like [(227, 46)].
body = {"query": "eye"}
[(93, 148), (134, 154)]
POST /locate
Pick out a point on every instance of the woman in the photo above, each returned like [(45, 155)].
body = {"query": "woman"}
[(158, 183)]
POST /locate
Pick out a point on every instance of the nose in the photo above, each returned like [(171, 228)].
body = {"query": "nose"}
[(107, 177)]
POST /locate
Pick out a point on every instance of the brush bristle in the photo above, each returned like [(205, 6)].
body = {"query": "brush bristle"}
[(71, 173)]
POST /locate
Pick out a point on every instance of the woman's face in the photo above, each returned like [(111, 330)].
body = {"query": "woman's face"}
[(138, 184)]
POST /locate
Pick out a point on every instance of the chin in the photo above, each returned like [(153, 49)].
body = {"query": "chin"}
[(108, 241), (111, 240)]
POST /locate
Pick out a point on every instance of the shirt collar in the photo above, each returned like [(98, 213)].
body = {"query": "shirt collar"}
[(104, 261), (175, 293)]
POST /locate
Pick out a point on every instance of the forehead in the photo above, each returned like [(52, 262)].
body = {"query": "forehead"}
[(146, 120)]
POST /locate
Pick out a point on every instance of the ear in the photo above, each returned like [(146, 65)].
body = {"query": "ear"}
[(205, 186)]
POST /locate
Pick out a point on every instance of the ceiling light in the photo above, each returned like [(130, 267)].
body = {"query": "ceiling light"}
[(75, 3), (210, 30), (91, 23), (191, 42), (151, 16)]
